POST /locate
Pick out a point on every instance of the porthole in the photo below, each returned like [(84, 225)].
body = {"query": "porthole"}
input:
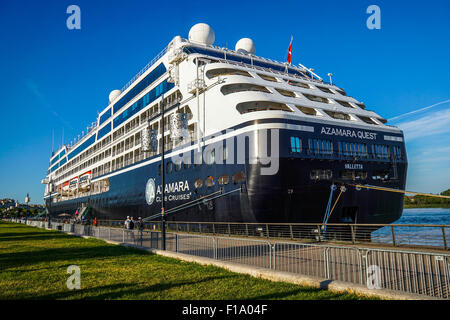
[(238, 177), (224, 179), (209, 181), (198, 183)]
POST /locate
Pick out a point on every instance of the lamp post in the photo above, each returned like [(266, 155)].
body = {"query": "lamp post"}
[(163, 171)]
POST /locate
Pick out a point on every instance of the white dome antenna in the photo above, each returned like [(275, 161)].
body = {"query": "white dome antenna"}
[(202, 33), (245, 45), (114, 95)]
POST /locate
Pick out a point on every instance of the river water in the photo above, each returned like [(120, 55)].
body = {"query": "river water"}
[(418, 235)]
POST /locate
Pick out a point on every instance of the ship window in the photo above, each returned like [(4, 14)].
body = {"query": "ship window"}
[(344, 103), (186, 166), (252, 106), (320, 174), (243, 87), (380, 151), (225, 179), (225, 153), (286, 93), (307, 110), (105, 116), (325, 89), (382, 120), (210, 156), (367, 120), (353, 149), (159, 170), (154, 94), (397, 152), (353, 175), (298, 84), (337, 115), (380, 175), (320, 147), (268, 78), (169, 167), (198, 183), (238, 177), (317, 98), (209, 181), (361, 105), (178, 166), (226, 72), (296, 145)]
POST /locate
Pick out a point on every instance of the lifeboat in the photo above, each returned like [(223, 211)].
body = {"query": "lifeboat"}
[(73, 185), (65, 188), (85, 181)]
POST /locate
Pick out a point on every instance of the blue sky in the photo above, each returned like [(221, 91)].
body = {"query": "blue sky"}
[(58, 79)]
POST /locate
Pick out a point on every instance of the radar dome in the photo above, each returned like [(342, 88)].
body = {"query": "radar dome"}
[(245, 45), (202, 33), (113, 95)]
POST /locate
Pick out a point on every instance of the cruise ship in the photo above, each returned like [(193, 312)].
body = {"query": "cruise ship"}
[(246, 139)]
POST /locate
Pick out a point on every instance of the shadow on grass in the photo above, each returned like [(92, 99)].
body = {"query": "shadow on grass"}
[(120, 290), (33, 237), (315, 293), (20, 259)]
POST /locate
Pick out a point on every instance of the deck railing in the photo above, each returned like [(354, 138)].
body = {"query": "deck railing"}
[(392, 235)]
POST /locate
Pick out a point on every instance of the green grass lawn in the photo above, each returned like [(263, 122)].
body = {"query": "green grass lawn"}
[(33, 265)]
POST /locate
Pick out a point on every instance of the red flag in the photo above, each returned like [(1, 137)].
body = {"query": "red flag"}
[(289, 57)]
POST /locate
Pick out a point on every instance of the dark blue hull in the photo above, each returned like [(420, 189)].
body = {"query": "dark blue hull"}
[(290, 195)]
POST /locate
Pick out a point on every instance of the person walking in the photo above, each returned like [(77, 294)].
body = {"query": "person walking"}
[(131, 229), (95, 221), (140, 226), (126, 226)]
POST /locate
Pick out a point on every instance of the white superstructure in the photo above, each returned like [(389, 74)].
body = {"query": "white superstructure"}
[(218, 88)]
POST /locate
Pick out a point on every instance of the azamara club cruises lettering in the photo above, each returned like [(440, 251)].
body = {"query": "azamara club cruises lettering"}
[(348, 133)]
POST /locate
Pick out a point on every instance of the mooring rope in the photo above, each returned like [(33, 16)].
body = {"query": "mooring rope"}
[(367, 186), (328, 211)]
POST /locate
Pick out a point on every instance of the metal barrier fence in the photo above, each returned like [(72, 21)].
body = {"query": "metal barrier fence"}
[(422, 273), (396, 235)]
